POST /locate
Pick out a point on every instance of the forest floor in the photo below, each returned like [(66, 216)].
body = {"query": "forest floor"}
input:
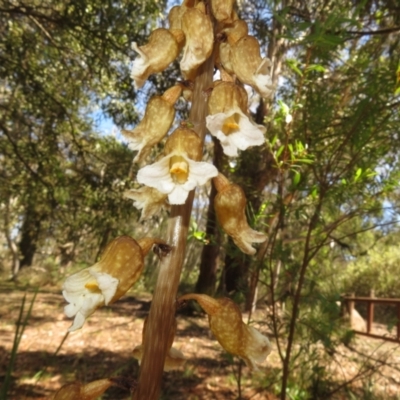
[(103, 348)]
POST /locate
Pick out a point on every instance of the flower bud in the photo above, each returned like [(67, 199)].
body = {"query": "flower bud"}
[(199, 35), (79, 391), (230, 205), (106, 281), (157, 121), (233, 335), (155, 56)]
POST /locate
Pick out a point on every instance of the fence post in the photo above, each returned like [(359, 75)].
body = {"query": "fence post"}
[(370, 311), (398, 321), (350, 305)]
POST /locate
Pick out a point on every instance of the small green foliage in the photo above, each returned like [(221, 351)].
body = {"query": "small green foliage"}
[(21, 324)]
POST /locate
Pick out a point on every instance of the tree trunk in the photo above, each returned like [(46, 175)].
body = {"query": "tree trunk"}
[(210, 254), (10, 242), (234, 275), (30, 231)]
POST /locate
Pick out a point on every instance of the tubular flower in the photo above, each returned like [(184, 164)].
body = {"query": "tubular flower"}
[(228, 37), (228, 121), (199, 36), (177, 173), (232, 333), (174, 358), (230, 205), (162, 49), (147, 199), (157, 120), (250, 68), (106, 281), (78, 391)]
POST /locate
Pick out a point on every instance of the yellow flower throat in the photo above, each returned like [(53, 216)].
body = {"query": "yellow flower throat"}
[(179, 169), (231, 124)]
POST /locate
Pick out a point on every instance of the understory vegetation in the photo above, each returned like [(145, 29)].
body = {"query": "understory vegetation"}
[(323, 188)]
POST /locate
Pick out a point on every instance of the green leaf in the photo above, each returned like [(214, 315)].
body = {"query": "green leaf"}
[(296, 178), (315, 67), (292, 64)]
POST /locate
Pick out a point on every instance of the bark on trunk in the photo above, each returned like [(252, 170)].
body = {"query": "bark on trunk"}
[(29, 237), (210, 254)]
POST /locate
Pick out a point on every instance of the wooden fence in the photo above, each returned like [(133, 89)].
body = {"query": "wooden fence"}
[(371, 301)]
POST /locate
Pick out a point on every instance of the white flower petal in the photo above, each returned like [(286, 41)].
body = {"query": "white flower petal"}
[(78, 322), (178, 195), (86, 291), (199, 173), (215, 122), (147, 199), (139, 67), (249, 133), (263, 84), (228, 146), (71, 309), (107, 284), (90, 302), (258, 346), (157, 175), (74, 283)]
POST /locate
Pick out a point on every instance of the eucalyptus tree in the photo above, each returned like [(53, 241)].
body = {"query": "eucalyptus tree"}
[(58, 63)]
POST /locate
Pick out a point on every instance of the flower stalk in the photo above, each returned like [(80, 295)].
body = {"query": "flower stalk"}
[(209, 34), (161, 318)]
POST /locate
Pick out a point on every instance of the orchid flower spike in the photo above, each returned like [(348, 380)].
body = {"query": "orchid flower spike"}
[(230, 206), (163, 47), (178, 172), (199, 39), (228, 120), (157, 120), (232, 333), (79, 391), (147, 199), (174, 358), (250, 68), (119, 268)]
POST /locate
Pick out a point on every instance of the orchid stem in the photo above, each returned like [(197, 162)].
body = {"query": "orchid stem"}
[(162, 311)]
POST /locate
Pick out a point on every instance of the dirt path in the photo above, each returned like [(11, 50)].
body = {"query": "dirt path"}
[(103, 348)]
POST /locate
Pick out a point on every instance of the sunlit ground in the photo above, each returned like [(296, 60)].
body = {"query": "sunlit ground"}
[(103, 348)]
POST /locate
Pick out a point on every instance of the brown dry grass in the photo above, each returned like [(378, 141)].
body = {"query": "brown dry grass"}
[(103, 348)]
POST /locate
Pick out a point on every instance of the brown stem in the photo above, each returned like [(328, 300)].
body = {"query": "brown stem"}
[(162, 312), (297, 297)]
